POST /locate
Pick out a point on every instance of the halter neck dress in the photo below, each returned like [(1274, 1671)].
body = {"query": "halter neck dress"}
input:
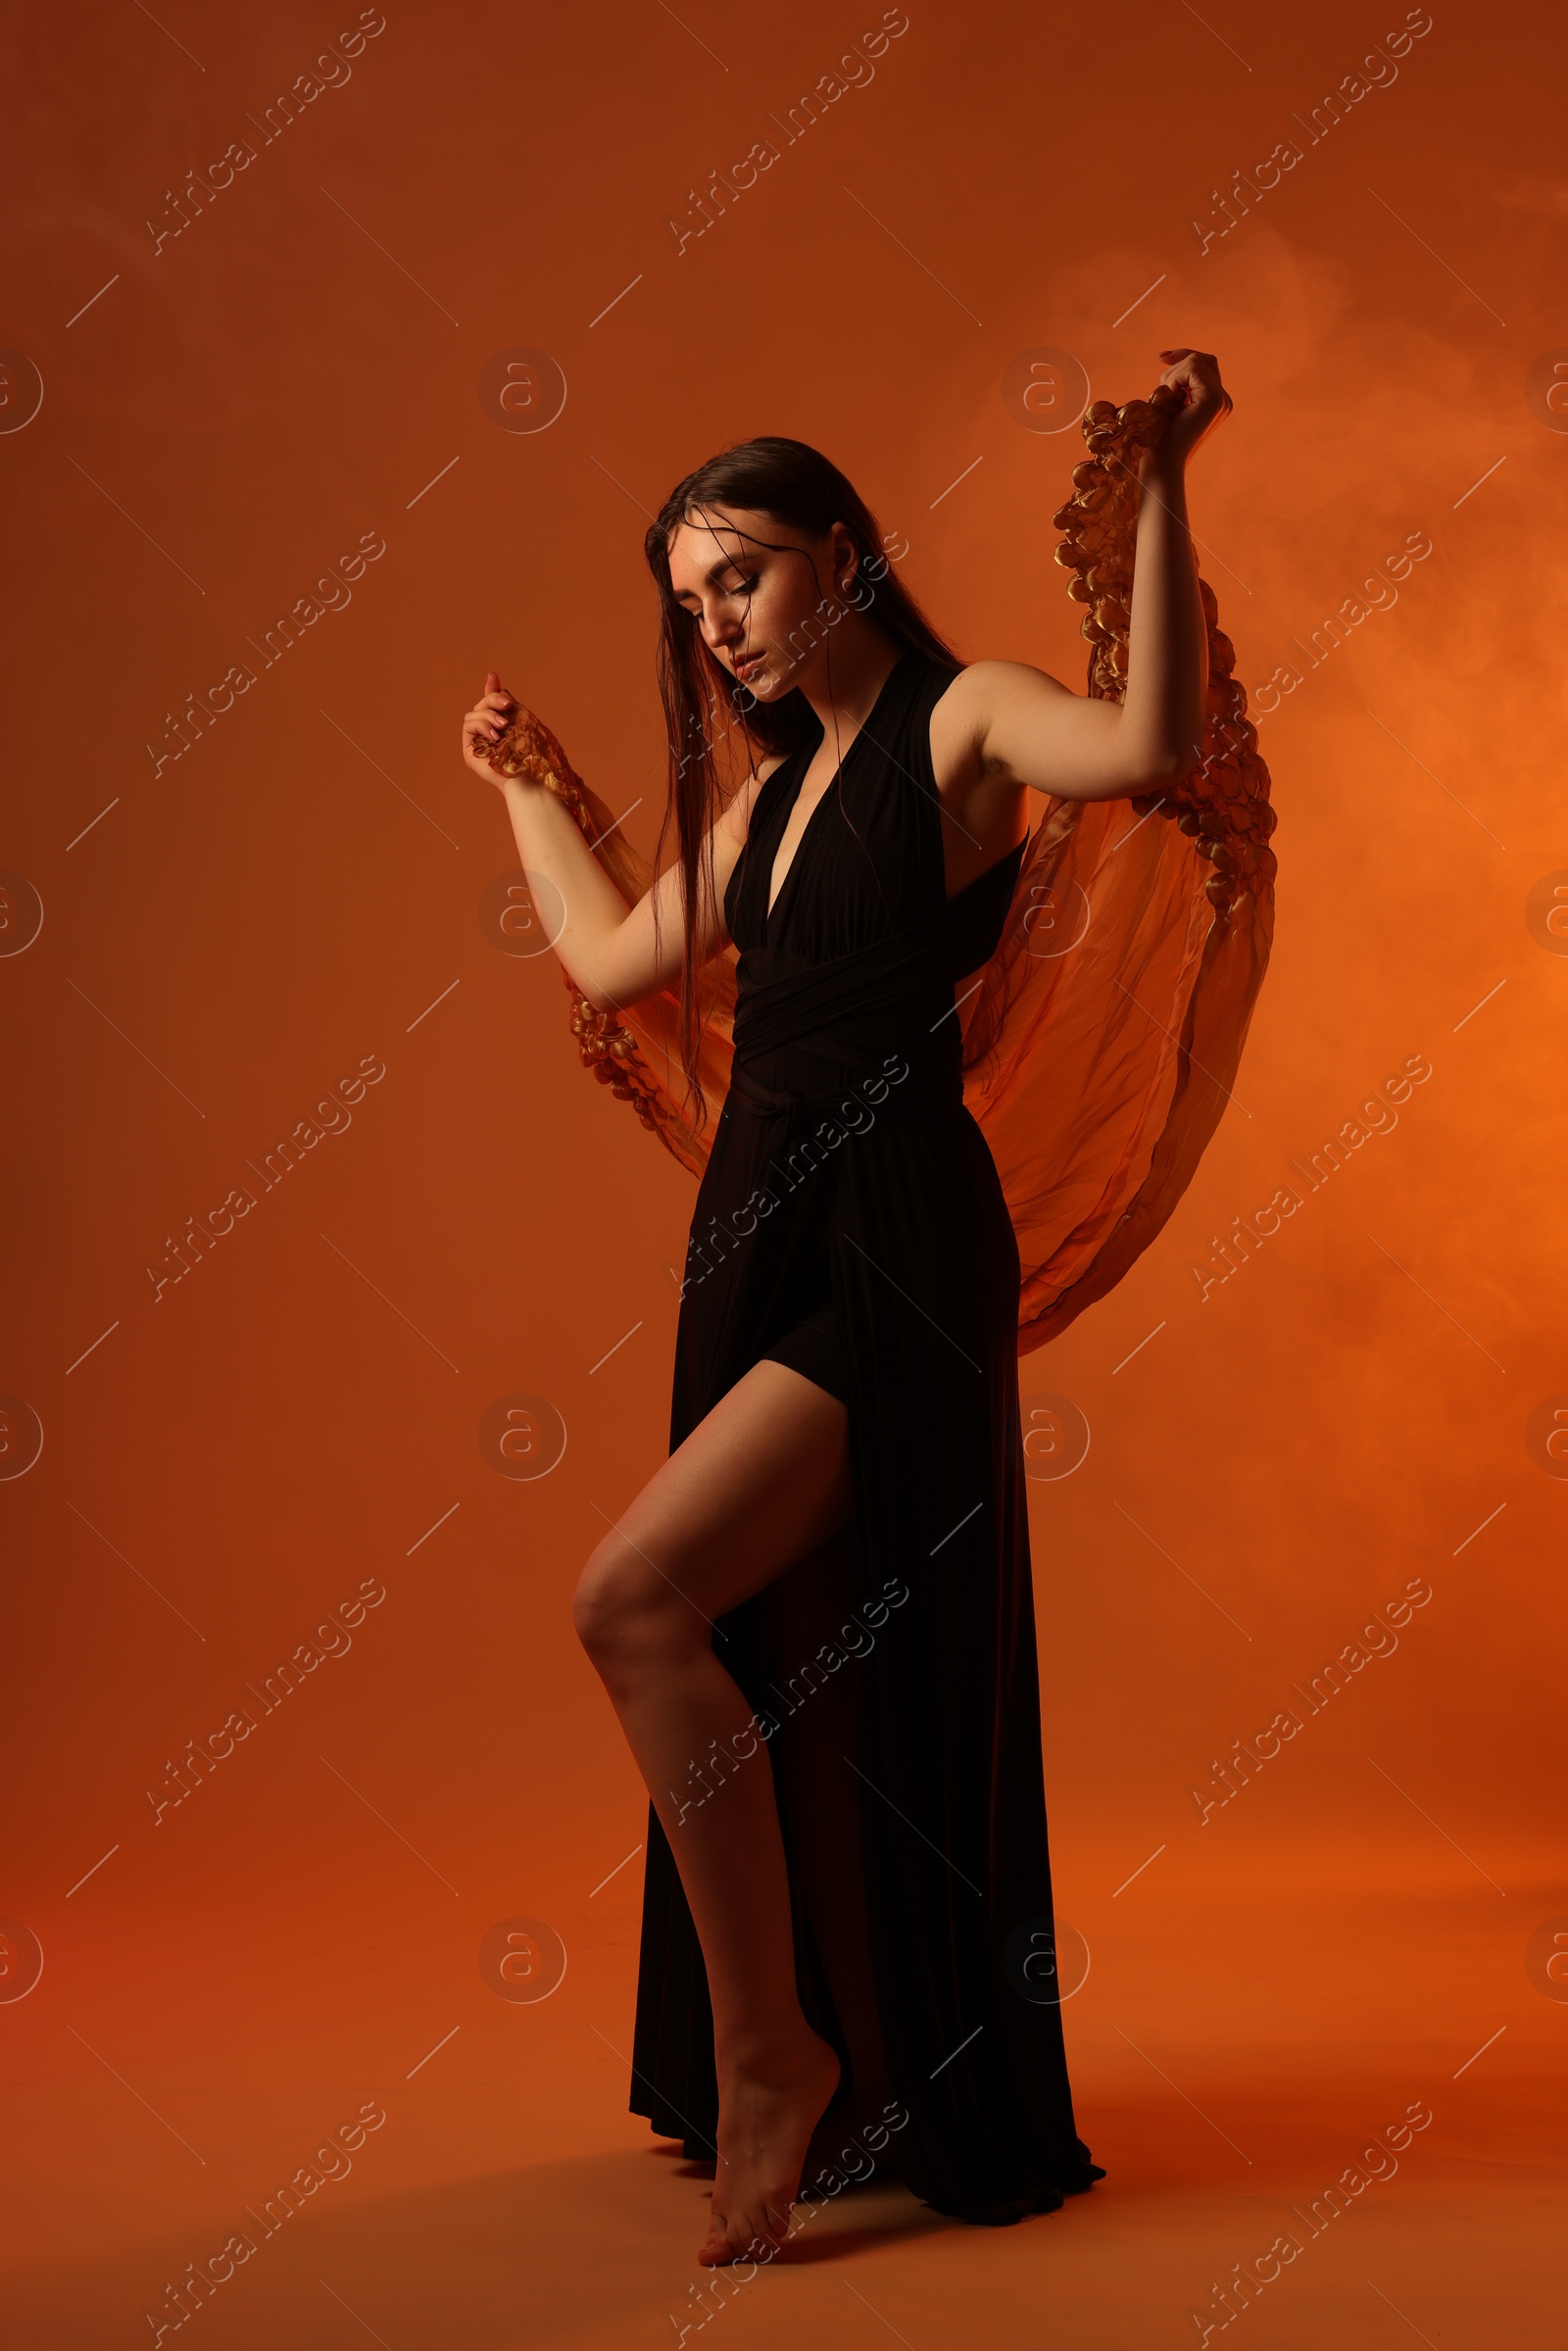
[(851, 1224)]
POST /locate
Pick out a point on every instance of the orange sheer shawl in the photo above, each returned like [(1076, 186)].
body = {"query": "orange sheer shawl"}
[(1101, 1039)]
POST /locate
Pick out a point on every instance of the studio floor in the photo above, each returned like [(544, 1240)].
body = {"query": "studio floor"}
[(1235, 2058)]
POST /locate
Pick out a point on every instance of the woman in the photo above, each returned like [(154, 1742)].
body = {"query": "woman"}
[(816, 1621)]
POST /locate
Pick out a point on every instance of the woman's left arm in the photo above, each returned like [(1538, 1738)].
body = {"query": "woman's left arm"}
[(1025, 728)]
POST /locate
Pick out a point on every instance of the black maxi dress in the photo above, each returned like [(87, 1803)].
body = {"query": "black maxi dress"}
[(851, 1223)]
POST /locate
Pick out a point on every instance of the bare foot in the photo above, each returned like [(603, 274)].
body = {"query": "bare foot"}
[(766, 2115)]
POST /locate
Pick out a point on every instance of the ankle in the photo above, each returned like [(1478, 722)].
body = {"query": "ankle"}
[(776, 2056)]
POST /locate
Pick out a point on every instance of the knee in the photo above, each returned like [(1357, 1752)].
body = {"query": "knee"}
[(618, 1610), (596, 1604)]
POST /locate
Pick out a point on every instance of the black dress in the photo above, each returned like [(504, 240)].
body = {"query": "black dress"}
[(851, 1223)]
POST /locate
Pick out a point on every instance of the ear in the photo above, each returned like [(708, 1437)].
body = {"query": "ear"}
[(843, 555)]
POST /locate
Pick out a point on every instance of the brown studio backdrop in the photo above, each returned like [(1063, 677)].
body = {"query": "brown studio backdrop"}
[(295, 375)]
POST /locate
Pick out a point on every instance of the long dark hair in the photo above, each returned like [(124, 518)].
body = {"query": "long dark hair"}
[(705, 706)]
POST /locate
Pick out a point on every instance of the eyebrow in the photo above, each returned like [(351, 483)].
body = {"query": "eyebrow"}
[(729, 562)]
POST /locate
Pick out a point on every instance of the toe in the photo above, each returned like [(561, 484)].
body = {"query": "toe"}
[(718, 2249), (735, 2240)]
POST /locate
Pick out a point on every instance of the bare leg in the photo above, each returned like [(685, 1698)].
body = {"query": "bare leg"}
[(807, 1609), (756, 1486)]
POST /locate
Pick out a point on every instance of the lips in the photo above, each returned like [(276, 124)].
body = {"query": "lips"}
[(748, 663)]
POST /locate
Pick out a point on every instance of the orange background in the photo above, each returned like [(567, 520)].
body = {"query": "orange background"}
[(223, 940)]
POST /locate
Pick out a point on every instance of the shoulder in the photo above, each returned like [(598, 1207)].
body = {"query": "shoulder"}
[(735, 822), (982, 697), (984, 687)]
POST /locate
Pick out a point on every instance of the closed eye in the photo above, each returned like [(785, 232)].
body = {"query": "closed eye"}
[(746, 587)]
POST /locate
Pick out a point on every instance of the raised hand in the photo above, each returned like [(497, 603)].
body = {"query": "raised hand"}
[(1206, 401), (484, 727)]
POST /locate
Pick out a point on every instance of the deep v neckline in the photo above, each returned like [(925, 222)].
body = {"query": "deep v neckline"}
[(770, 910)]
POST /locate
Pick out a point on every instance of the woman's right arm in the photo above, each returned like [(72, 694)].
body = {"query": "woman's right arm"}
[(615, 954)]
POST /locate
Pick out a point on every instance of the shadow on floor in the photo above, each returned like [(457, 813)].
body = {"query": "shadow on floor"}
[(511, 2257)]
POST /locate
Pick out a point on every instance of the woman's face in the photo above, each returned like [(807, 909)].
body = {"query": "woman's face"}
[(752, 584)]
